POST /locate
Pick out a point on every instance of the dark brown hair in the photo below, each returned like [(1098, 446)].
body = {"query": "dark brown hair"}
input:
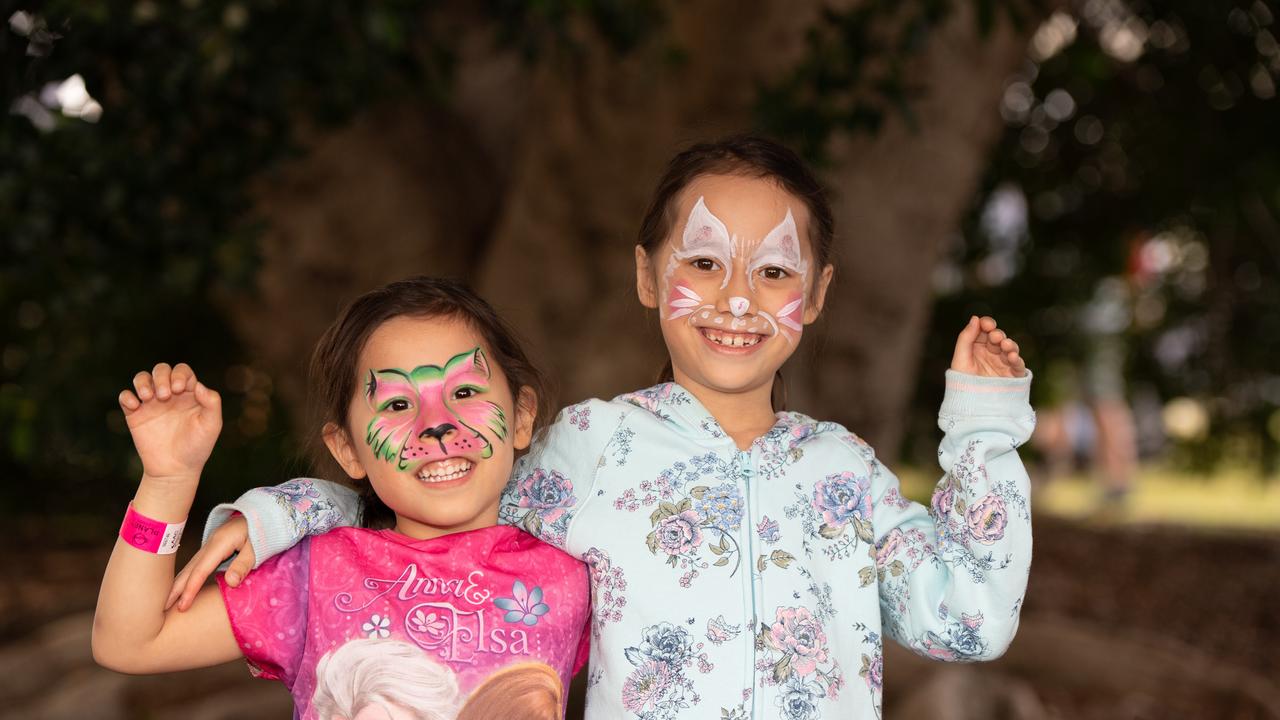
[(749, 156), (333, 376)]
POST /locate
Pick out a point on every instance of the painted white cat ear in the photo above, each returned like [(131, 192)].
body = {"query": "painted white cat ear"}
[(704, 230), (784, 239)]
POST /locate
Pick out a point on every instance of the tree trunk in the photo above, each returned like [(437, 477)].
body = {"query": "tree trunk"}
[(546, 229)]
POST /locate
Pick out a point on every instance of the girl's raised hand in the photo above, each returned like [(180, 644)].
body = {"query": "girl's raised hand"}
[(174, 420), (983, 349)]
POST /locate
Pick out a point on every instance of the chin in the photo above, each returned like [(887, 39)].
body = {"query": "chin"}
[(727, 380)]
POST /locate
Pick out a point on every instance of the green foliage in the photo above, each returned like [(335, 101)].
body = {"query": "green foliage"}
[(1161, 186), (119, 235), (856, 70)]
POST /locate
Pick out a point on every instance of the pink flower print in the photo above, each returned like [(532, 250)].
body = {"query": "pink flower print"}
[(525, 606), (720, 630), (376, 627), (799, 633), (987, 519), (549, 494), (768, 530), (580, 416), (680, 533), (973, 622), (644, 687), (942, 500), (428, 623), (889, 546)]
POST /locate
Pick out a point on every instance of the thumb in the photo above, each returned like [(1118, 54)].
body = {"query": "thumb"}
[(208, 397), (240, 566), (964, 344)]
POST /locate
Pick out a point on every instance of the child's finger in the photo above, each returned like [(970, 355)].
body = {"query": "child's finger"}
[(208, 397), (161, 374), (183, 378), (995, 337), (1009, 345), (143, 385), (1018, 363), (988, 323), (175, 591), (129, 402), (198, 571), (240, 567), (964, 343)]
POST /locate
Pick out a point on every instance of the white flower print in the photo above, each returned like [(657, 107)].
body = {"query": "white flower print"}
[(429, 623), (376, 627)]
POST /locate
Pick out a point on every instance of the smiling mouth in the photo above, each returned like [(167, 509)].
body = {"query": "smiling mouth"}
[(732, 339), (445, 470)]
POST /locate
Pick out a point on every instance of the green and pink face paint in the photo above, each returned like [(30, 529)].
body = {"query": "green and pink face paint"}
[(433, 413), (706, 236)]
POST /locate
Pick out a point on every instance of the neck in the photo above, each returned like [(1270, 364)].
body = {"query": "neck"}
[(744, 415), (422, 531)]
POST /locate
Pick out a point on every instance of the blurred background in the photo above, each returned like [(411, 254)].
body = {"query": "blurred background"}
[(209, 180)]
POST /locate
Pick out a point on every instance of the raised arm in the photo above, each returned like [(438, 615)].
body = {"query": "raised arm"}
[(174, 421), (952, 577)]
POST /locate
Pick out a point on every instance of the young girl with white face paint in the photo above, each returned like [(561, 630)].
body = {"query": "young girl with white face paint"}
[(746, 563)]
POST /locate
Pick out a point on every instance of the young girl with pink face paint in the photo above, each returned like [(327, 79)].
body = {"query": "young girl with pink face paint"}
[(431, 609), (747, 562)]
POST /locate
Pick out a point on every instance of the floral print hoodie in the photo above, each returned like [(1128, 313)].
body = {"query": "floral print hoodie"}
[(755, 583)]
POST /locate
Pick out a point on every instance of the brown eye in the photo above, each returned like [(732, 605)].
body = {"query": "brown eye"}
[(398, 405), (774, 273), (463, 393), (705, 264)]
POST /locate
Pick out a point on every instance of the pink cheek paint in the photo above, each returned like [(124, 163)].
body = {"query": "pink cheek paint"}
[(682, 301), (791, 316)]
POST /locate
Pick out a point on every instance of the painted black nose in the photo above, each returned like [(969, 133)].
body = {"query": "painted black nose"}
[(438, 432)]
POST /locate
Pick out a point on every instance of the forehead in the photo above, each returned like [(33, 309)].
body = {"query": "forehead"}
[(408, 342), (749, 207)]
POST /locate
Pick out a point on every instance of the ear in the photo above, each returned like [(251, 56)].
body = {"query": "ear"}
[(339, 443), (814, 309), (526, 416), (645, 285)]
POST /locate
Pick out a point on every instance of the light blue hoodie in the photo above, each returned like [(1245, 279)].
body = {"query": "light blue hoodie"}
[(754, 583)]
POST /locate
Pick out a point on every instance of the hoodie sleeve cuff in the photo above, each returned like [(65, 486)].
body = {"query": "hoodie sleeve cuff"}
[(979, 396), (267, 534)]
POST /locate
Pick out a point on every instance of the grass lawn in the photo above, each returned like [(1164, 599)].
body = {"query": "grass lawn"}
[(1227, 499)]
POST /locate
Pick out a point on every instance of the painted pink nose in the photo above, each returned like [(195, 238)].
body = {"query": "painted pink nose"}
[(738, 306)]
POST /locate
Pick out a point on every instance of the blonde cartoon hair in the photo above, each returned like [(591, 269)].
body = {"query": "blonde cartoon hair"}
[(369, 672), (527, 691)]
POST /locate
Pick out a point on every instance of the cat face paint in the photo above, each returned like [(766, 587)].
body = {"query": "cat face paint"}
[(432, 412), (776, 255)]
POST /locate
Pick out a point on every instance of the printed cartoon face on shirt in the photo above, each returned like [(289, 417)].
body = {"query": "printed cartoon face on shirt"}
[(433, 413), (734, 282)]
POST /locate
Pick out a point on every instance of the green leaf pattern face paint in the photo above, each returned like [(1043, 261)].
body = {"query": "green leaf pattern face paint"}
[(432, 413)]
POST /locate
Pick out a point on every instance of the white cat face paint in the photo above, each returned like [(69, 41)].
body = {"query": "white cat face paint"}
[(704, 236), (780, 249), (731, 282), (777, 255)]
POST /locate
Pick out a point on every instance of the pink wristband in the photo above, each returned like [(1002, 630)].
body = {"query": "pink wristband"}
[(150, 535)]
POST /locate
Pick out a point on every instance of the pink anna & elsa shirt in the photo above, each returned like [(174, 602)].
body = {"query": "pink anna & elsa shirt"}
[(364, 623)]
